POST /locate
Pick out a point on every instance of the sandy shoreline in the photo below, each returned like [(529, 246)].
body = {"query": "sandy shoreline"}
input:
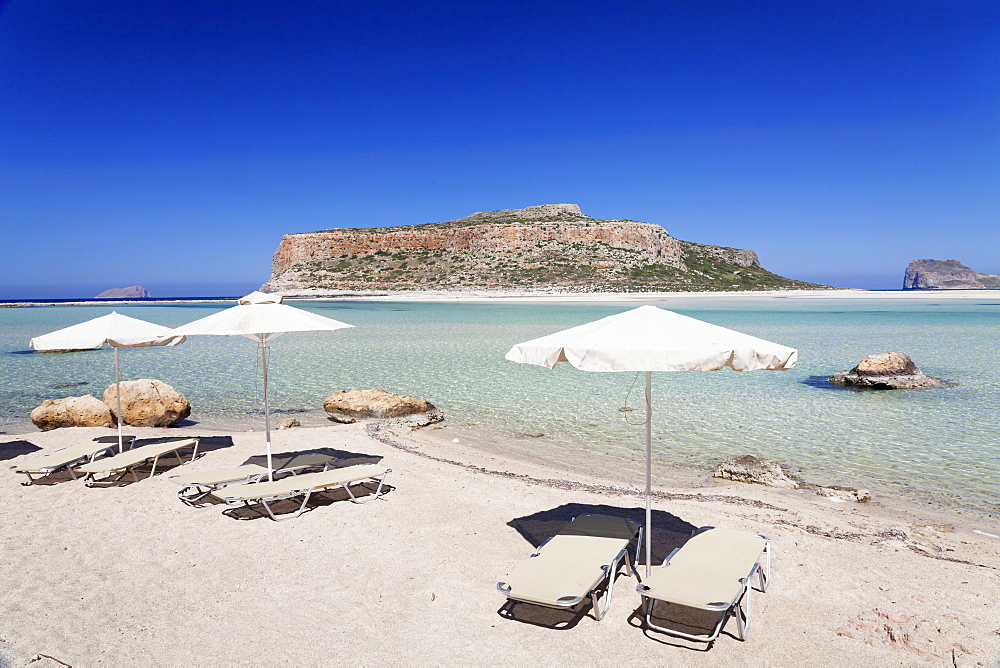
[(556, 296), (129, 575)]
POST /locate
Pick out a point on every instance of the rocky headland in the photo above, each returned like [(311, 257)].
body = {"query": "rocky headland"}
[(946, 275), (540, 247)]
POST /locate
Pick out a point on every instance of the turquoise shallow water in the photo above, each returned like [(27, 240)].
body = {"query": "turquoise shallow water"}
[(939, 445)]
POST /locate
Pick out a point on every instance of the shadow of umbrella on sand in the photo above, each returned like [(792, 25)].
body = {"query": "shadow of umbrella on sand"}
[(652, 339), (114, 329), (261, 318)]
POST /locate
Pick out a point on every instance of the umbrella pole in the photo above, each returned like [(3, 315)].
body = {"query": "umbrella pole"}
[(649, 471), (267, 407), (118, 399)]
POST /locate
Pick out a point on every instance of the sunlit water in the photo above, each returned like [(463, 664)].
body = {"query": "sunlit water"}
[(941, 445)]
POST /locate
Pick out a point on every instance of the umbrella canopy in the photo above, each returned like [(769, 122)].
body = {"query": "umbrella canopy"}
[(652, 339), (114, 329), (263, 318), (119, 331), (260, 316)]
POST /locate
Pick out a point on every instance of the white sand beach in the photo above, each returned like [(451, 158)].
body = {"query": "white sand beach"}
[(639, 297), (129, 575)]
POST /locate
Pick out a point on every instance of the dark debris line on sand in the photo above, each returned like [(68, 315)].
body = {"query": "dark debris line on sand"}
[(881, 536), (377, 431)]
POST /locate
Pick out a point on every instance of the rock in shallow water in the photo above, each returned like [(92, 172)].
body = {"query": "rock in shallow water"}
[(85, 411), (747, 468), (845, 493), (148, 403), (886, 371), (351, 406)]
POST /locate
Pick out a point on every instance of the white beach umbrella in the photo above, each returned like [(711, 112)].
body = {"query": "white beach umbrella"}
[(262, 318), (114, 329), (652, 339)]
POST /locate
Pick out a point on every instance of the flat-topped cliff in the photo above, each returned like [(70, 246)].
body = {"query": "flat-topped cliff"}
[(946, 275), (540, 247)]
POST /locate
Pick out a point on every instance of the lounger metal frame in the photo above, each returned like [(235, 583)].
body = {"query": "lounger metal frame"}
[(609, 573), (90, 480), (200, 490), (85, 459), (739, 607), (346, 486)]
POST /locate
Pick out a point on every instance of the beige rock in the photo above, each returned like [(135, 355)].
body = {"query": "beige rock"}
[(845, 493), (287, 423), (148, 403), (885, 371), (350, 406), (85, 411), (747, 468)]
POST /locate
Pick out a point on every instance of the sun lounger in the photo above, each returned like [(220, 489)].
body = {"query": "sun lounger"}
[(44, 464), (267, 492), (712, 571), (128, 461), (576, 564), (197, 485)]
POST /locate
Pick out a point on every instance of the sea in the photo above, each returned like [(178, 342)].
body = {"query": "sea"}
[(934, 446)]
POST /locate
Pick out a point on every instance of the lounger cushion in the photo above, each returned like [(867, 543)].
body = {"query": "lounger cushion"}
[(52, 460), (696, 585), (136, 456), (219, 476), (707, 571), (582, 549), (608, 526), (301, 483), (552, 582), (741, 545), (570, 564), (293, 462)]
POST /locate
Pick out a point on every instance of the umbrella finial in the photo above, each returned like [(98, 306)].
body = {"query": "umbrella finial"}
[(258, 297)]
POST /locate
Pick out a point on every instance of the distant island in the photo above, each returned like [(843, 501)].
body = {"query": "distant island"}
[(946, 275), (552, 246), (124, 293)]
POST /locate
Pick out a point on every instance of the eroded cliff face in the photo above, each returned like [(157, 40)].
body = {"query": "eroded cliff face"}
[(553, 245), (946, 275)]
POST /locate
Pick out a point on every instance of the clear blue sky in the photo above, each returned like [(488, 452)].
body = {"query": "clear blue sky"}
[(172, 144)]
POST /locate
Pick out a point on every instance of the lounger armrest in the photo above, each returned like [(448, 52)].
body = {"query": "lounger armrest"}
[(539, 548)]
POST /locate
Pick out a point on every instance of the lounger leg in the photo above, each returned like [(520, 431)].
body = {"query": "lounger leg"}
[(638, 551), (378, 492), (195, 494), (742, 613), (291, 517), (156, 460), (764, 574)]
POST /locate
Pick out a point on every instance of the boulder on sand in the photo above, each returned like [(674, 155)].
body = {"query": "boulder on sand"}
[(747, 468), (148, 403), (351, 406), (85, 411), (885, 371)]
